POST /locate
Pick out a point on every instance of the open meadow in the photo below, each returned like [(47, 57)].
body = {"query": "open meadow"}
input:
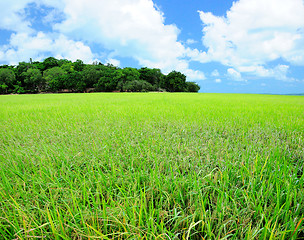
[(151, 166)]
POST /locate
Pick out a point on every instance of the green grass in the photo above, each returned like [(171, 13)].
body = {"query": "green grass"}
[(151, 166)]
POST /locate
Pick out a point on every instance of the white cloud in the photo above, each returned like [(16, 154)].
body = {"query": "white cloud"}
[(194, 75), (12, 16), (218, 80), (72, 50), (254, 33), (26, 42), (215, 73), (113, 61), (190, 41), (279, 72), (197, 55), (234, 75), (22, 47), (129, 28)]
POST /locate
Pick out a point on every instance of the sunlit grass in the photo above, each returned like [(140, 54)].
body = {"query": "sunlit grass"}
[(151, 166)]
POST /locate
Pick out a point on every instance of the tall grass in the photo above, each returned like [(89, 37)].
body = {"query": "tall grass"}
[(151, 166)]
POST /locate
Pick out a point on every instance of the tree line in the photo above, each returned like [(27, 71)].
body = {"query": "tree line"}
[(54, 75)]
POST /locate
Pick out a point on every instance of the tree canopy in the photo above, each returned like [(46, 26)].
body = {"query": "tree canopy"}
[(7, 78), (54, 75)]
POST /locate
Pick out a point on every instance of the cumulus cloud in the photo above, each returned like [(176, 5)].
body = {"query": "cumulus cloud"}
[(234, 75), (191, 41), (129, 28), (12, 16), (25, 42), (215, 73), (22, 46), (194, 75), (254, 33), (278, 72), (113, 61), (218, 80)]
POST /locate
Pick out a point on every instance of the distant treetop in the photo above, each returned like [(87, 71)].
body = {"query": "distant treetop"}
[(53, 75)]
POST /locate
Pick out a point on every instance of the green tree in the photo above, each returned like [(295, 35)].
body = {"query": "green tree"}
[(78, 65), (137, 86), (7, 66), (192, 87), (63, 61), (130, 74), (92, 74), (33, 79), (50, 63), (109, 80), (174, 82), (54, 78), (7, 79), (38, 65), (67, 67), (77, 76), (153, 76), (21, 69), (74, 82), (18, 88)]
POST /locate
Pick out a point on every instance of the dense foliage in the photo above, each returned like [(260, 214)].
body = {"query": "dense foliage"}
[(53, 75)]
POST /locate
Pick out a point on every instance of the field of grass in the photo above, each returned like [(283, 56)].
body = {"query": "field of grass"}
[(151, 166)]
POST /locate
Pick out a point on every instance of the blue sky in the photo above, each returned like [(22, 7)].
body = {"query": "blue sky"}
[(240, 46)]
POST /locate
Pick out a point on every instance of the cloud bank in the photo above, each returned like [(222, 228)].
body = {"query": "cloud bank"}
[(263, 38), (129, 28), (255, 33)]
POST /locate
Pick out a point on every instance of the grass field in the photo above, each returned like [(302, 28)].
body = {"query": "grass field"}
[(151, 166)]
